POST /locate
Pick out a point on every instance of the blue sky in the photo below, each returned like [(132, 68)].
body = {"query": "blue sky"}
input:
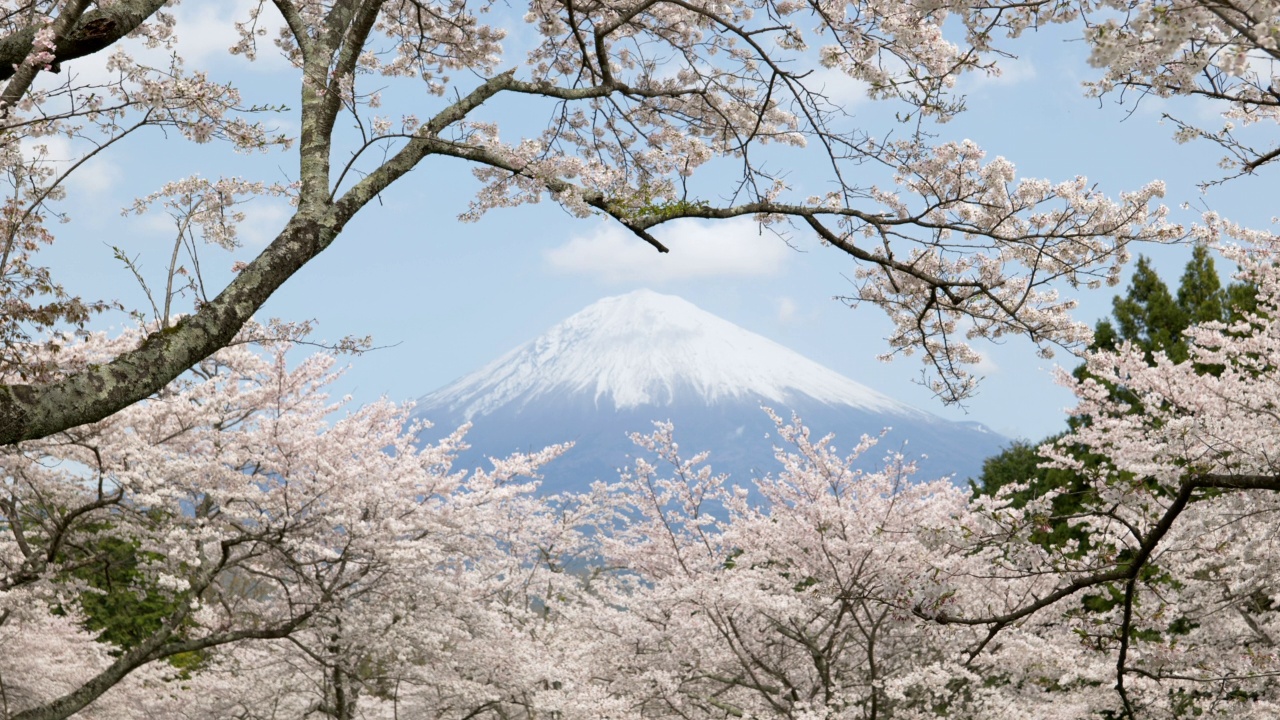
[(446, 296)]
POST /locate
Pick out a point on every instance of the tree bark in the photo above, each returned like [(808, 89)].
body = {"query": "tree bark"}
[(28, 412), (97, 30)]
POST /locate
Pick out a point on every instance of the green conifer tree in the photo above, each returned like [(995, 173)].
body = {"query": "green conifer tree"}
[(1152, 318), (1149, 316), (1200, 294)]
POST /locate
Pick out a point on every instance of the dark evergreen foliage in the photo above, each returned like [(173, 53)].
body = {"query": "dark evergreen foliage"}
[(1152, 318)]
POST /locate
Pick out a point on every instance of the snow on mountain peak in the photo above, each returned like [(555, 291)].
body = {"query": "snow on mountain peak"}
[(646, 348)]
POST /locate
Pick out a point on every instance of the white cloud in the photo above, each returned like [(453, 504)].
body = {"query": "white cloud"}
[(787, 309), (986, 365), (57, 148), (734, 247), (95, 178), (1012, 71), (157, 224), (206, 31), (838, 87), (263, 221)]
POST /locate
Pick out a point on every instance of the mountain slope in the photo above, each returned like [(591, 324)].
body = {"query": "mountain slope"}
[(626, 361)]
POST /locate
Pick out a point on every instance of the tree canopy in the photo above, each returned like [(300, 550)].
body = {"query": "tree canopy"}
[(289, 566), (1149, 319), (191, 528), (632, 105)]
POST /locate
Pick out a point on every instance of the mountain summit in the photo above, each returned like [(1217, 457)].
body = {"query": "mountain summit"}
[(645, 348), (626, 361)]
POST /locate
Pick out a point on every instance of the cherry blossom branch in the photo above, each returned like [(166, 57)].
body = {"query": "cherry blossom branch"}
[(714, 108), (40, 53), (96, 30), (1127, 571), (156, 647)]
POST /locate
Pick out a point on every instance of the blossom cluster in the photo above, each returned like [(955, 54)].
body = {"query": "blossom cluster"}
[(305, 557)]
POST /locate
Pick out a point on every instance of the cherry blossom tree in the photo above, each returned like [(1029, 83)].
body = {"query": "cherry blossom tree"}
[(649, 106), (822, 593), (834, 593), (1222, 52), (333, 569), (786, 602), (371, 563), (1174, 591), (290, 565)]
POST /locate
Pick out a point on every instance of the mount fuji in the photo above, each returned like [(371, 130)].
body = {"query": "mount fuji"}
[(626, 361)]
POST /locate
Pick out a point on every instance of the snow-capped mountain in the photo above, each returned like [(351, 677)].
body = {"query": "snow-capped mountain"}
[(626, 361)]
